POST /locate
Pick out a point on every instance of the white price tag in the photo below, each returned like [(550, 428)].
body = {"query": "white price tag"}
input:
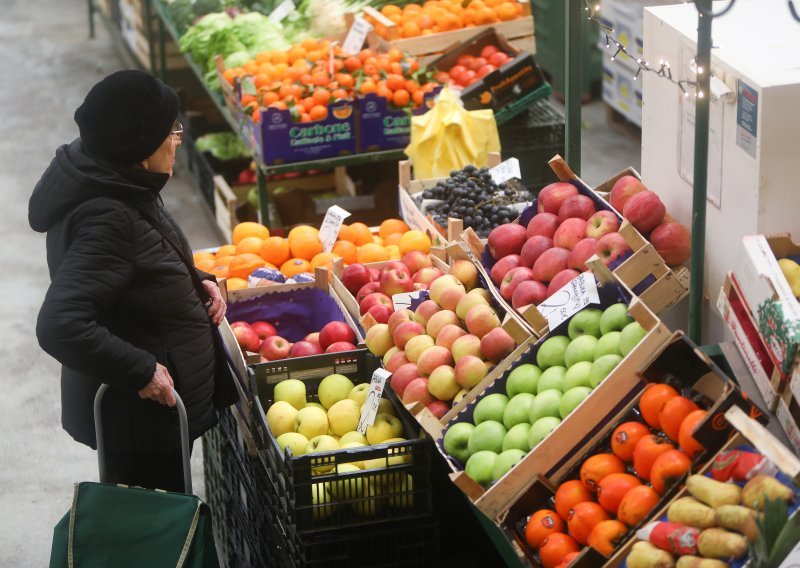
[(370, 408), (284, 9), (329, 230), (356, 36), (403, 301), (569, 300), (505, 171)]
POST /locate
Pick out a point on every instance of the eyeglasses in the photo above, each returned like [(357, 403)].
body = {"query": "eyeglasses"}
[(177, 131)]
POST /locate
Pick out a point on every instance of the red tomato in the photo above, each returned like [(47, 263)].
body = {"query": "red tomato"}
[(477, 63), (456, 71), (467, 78), (498, 59), (485, 70), (464, 60), (488, 51)]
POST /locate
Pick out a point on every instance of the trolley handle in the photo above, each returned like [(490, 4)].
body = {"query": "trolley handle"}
[(101, 449)]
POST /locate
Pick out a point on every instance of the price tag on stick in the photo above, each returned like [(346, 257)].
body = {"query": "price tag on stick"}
[(329, 230), (370, 409), (569, 300), (505, 171), (284, 9), (356, 36)]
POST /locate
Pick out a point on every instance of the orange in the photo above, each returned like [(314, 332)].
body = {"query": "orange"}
[(414, 240), (583, 518), (219, 271), (637, 504), (275, 250), (362, 234), (686, 434), (506, 11), (606, 536), (390, 227), (324, 260), (401, 98), (653, 399), (647, 451), (202, 255), (224, 261), (371, 252), (668, 469), (395, 82), (249, 245), (318, 112), (542, 524), (236, 283), (301, 230), (569, 494), (226, 250), (346, 234), (347, 251), (243, 264), (249, 229), (555, 547), (625, 438), (595, 468), (295, 266), (205, 264), (305, 247), (393, 240), (673, 413)]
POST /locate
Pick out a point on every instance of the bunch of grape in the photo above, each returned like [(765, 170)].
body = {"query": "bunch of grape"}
[(472, 196)]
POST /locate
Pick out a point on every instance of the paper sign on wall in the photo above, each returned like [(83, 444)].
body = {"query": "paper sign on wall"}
[(284, 9), (356, 36), (370, 409), (569, 300), (505, 171), (331, 224)]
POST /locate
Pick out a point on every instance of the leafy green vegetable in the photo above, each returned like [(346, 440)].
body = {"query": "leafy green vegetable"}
[(223, 145)]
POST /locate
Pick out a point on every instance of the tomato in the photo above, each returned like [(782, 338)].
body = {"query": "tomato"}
[(488, 51), (477, 63), (464, 60), (498, 59), (485, 70), (467, 77), (456, 71)]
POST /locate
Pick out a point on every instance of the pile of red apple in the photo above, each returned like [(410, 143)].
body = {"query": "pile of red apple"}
[(470, 68), (261, 337)]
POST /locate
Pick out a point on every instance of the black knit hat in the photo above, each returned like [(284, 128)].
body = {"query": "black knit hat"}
[(127, 116)]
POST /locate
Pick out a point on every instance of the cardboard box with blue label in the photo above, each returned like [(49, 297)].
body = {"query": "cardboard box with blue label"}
[(385, 127)]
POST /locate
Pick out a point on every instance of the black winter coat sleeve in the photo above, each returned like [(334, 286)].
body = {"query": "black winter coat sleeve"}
[(97, 266)]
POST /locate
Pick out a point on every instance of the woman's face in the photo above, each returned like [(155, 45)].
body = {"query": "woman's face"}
[(163, 159)]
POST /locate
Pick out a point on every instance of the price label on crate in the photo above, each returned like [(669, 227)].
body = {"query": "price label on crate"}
[(356, 36), (370, 409), (569, 300), (331, 224), (505, 171), (284, 9), (408, 299)]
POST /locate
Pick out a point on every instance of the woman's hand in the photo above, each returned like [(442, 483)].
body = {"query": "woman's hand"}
[(160, 387), (216, 307)]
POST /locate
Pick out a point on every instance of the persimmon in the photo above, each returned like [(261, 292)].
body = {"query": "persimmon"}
[(625, 437), (647, 451), (582, 519), (653, 399), (555, 547), (637, 504), (606, 536), (569, 494), (542, 524), (668, 469), (567, 560), (673, 413), (613, 487), (595, 468), (686, 434)]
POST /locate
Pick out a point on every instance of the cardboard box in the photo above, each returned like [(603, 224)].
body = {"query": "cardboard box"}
[(620, 91), (382, 127)]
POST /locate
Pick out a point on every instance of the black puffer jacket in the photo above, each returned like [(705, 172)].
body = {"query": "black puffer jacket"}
[(120, 299)]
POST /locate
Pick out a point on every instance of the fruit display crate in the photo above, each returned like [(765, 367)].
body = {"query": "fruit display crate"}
[(568, 431), (395, 484), (677, 363)]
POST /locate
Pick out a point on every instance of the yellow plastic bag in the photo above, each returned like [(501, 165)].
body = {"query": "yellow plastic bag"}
[(448, 137)]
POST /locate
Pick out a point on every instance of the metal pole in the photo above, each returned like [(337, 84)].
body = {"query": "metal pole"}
[(148, 16), (697, 264), (263, 196), (162, 52), (91, 18), (574, 76)]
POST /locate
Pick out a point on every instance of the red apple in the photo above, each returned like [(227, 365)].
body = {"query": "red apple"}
[(427, 275), (439, 408), (402, 376), (645, 211), (580, 253), (247, 338), (236, 324), (602, 223), (611, 247), (380, 313), (672, 242), (418, 286), (417, 391), (497, 345), (312, 337), (425, 311), (502, 266), (263, 329), (275, 348), (552, 196), (335, 332), (512, 279), (406, 331), (569, 232), (304, 349), (375, 274), (534, 247), (416, 261), (550, 263), (398, 317), (623, 189), (432, 358), (340, 346), (544, 224), (396, 265), (578, 206), (394, 281), (448, 334), (560, 280), (527, 293), (366, 290), (373, 299), (506, 240), (466, 272), (396, 361), (354, 276)]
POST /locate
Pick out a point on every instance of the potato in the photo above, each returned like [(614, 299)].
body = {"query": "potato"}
[(761, 487), (645, 555), (692, 513), (697, 562), (713, 493), (719, 543), (737, 518)]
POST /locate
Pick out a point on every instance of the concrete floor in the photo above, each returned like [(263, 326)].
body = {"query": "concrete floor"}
[(49, 65)]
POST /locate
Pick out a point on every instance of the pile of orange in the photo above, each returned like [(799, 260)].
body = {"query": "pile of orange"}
[(414, 20), (302, 251)]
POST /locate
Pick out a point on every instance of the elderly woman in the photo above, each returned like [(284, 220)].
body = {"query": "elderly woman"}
[(125, 305)]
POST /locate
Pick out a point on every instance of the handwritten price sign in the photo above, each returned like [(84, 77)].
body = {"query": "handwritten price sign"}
[(331, 224), (505, 171), (373, 399), (356, 36), (569, 300)]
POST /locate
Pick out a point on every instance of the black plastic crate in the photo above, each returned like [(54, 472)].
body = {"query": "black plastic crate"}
[(396, 486), (533, 138)]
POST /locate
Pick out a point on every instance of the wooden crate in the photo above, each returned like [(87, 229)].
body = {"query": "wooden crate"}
[(519, 32)]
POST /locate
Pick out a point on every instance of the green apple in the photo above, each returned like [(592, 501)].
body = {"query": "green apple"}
[(615, 318), (546, 404), (311, 422), (353, 436), (601, 369), (523, 379), (322, 502), (517, 437), (345, 488), (295, 442), (551, 352), (571, 399), (608, 344), (630, 335), (505, 461), (490, 408), (385, 426), (580, 349), (292, 391), (487, 436), (359, 393), (280, 418), (517, 409), (541, 428), (343, 416), (334, 388), (577, 376), (480, 466), (585, 322), (456, 440), (552, 378)]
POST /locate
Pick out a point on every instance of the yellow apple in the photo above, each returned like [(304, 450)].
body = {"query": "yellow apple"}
[(316, 405), (370, 502), (359, 393), (280, 418), (343, 416), (333, 388), (353, 436), (400, 489), (345, 488), (318, 444), (321, 498), (292, 391), (295, 442), (346, 445), (385, 426), (311, 422)]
